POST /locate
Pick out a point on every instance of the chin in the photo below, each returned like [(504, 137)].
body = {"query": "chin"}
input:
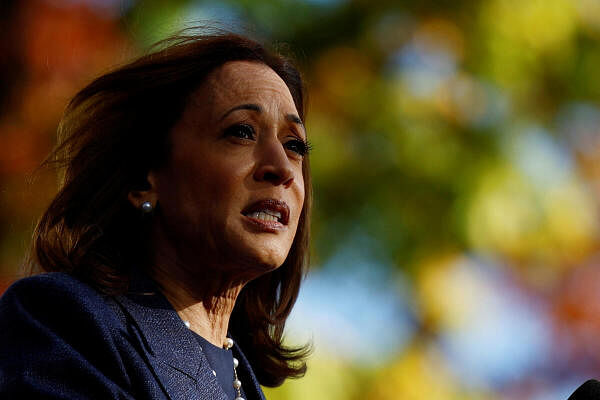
[(270, 262), (257, 253), (263, 261)]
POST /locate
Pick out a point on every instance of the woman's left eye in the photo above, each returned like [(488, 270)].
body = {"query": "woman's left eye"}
[(297, 146), (241, 131)]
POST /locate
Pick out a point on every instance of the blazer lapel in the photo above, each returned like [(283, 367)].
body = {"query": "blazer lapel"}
[(172, 351)]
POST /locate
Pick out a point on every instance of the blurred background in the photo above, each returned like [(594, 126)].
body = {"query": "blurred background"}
[(456, 171)]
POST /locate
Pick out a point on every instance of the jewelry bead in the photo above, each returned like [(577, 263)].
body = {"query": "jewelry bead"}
[(214, 372), (147, 207), (237, 384), (187, 324)]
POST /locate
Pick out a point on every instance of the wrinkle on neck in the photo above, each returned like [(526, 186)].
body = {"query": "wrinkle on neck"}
[(203, 294)]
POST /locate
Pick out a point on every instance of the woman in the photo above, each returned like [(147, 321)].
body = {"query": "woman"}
[(180, 232)]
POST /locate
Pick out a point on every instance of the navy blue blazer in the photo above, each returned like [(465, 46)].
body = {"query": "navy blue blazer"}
[(61, 339), (590, 390)]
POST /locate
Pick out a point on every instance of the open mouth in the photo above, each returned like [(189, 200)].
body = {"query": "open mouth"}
[(268, 210), (266, 215)]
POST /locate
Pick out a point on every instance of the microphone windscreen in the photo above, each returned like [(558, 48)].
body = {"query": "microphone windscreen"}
[(590, 390)]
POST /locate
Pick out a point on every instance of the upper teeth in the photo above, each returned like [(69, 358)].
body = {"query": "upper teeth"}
[(266, 215)]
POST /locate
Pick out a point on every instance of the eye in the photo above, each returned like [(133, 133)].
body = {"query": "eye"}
[(297, 146), (241, 131)]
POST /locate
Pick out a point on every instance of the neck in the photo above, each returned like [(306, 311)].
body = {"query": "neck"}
[(205, 302)]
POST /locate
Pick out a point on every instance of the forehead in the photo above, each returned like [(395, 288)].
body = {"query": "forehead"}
[(237, 82)]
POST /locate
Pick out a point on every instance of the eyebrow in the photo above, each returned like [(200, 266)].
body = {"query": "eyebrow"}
[(255, 107), (295, 119)]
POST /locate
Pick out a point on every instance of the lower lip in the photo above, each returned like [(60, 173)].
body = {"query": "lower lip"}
[(265, 226)]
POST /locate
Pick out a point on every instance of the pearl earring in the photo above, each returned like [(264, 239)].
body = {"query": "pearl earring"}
[(147, 207)]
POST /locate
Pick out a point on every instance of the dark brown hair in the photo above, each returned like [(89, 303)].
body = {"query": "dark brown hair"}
[(113, 132)]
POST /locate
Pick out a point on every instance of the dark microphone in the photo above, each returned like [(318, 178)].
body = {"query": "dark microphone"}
[(590, 390)]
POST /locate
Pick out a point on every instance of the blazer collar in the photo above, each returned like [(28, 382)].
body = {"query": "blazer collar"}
[(168, 341)]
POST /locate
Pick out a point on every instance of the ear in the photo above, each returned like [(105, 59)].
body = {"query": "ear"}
[(150, 193)]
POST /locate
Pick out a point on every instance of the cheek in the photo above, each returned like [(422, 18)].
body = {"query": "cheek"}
[(227, 180), (222, 193), (214, 175), (185, 190)]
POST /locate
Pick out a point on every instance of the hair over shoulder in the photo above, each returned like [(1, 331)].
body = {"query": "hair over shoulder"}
[(113, 132)]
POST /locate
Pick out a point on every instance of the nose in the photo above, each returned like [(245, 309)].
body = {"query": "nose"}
[(273, 164)]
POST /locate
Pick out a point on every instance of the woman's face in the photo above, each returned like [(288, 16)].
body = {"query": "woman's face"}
[(232, 191)]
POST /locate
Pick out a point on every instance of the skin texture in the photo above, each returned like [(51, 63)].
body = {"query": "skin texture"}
[(235, 144)]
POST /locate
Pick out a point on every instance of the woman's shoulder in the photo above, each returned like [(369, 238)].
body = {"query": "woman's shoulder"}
[(53, 290), (48, 280), (60, 339), (56, 301)]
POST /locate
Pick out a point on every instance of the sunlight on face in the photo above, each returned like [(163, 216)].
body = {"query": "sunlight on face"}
[(232, 192)]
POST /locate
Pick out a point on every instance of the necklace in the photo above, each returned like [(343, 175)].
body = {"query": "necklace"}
[(227, 345), (237, 384)]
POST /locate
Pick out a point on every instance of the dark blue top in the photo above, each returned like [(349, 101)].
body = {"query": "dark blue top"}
[(61, 339), (221, 361)]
